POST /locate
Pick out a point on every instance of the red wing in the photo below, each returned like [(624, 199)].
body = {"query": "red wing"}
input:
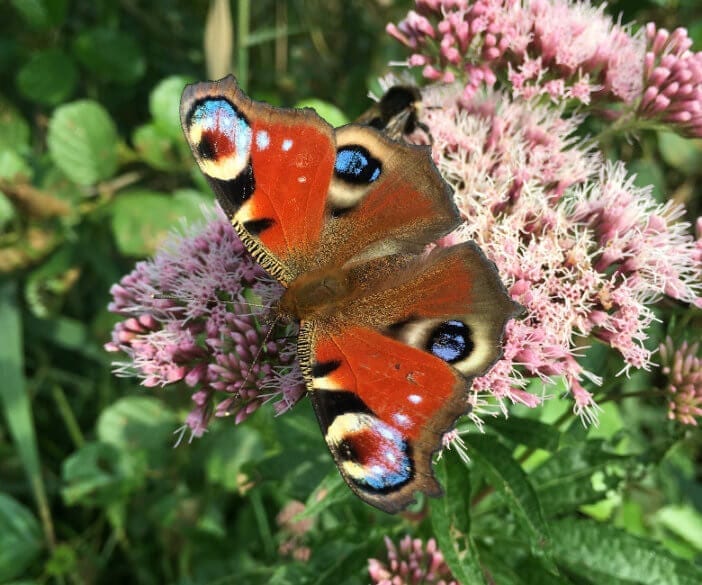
[(390, 375), (383, 407), (269, 167)]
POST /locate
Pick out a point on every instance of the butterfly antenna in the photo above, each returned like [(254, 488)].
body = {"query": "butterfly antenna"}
[(260, 351), (167, 297)]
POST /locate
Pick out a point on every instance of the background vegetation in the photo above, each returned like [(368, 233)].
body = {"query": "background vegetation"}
[(94, 172)]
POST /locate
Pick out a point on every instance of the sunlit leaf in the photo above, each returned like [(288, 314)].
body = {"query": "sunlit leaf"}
[(82, 141)]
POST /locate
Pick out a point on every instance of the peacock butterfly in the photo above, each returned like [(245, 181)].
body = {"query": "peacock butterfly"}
[(390, 336)]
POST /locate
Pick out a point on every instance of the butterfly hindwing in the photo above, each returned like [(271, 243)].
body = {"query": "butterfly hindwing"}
[(269, 167), (388, 384)]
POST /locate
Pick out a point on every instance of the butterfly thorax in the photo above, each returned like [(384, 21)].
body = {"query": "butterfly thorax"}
[(316, 294)]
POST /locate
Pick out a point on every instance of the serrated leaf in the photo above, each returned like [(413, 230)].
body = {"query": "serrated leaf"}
[(82, 141), (110, 55), (526, 431), (510, 480), (579, 474), (141, 219), (602, 551), (20, 538), (450, 518), (14, 129), (49, 77), (164, 105), (329, 112)]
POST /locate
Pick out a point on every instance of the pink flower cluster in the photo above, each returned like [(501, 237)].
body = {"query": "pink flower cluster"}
[(569, 52), (583, 249), (190, 316), (412, 563), (672, 81), (683, 367)]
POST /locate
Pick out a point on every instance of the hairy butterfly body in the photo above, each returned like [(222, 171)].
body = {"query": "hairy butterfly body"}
[(397, 112), (390, 336)]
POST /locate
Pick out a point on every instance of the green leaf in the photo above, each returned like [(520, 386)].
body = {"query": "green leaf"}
[(331, 491), (582, 473), (14, 129), (82, 141), (450, 517), (684, 521), (138, 422), (7, 211), (141, 219), (49, 77), (683, 154), (510, 480), (41, 13), (13, 167), (235, 447), (156, 148), (600, 551), (649, 172), (20, 538), (100, 474), (110, 55), (526, 431), (329, 112), (164, 105), (15, 400)]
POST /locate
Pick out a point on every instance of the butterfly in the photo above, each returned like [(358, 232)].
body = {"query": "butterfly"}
[(389, 336), (397, 112)]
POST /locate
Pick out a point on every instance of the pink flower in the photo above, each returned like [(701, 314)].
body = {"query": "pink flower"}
[(672, 80), (187, 319), (557, 48), (683, 367), (578, 245), (412, 563)]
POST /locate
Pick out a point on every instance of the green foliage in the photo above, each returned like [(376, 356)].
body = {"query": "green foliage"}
[(94, 173)]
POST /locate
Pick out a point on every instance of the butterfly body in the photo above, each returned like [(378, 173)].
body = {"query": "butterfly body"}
[(390, 335), (397, 112)]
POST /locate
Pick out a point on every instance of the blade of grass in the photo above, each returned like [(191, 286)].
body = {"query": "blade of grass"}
[(16, 405), (242, 43)]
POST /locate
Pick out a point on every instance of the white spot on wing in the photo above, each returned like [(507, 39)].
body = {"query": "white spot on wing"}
[(262, 139), (302, 179), (287, 144), (414, 398), (401, 419)]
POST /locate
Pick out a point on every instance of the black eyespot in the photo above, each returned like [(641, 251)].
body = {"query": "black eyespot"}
[(346, 451), (354, 164), (452, 341)]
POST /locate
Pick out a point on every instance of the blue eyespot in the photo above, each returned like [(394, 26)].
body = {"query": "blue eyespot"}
[(354, 164), (451, 341)]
